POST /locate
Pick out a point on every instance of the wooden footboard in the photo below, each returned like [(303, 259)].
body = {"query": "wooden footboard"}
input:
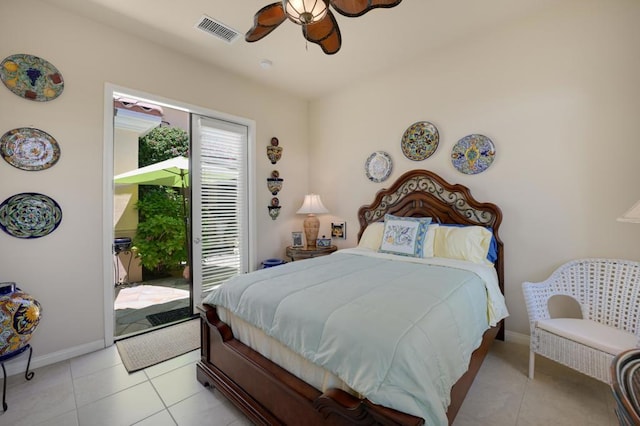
[(269, 395)]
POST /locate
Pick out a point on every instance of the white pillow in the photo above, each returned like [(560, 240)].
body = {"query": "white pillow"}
[(429, 240), (404, 235), (466, 243), (372, 236)]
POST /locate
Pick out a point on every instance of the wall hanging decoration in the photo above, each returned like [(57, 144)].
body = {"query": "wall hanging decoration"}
[(274, 152), (274, 208), (339, 230), (29, 215), (31, 77), (274, 183), (378, 166), (29, 149), (420, 141), (473, 154)]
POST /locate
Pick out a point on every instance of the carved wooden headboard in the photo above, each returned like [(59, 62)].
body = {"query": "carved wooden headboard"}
[(421, 193)]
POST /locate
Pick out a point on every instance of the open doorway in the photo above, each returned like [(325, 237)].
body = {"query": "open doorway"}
[(151, 226), (218, 199)]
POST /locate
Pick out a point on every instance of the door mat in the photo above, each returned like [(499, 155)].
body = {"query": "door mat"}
[(154, 347), (169, 316)]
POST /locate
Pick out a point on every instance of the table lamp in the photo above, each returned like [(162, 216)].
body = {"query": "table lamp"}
[(632, 215), (311, 206)]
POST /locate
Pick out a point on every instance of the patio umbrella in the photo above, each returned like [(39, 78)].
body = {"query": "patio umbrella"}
[(173, 172)]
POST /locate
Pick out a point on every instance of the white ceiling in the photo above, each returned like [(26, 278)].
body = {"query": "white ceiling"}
[(371, 43)]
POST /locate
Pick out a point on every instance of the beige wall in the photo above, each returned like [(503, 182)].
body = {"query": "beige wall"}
[(64, 269), (558, 94)]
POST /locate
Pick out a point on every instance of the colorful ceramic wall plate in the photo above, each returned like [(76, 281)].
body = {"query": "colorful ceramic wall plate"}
[(378, 166), (473, 154), (29, 215), (420, 141), (31, 77), (29, 149)]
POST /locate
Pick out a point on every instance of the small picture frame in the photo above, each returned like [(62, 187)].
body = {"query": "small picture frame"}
[(296, 238), (339, 230), (323, 242)]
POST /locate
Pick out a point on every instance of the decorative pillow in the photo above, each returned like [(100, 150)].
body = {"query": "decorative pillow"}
[(492, 255), (465, 243), (429, 240), (372, 236), (404, 235)]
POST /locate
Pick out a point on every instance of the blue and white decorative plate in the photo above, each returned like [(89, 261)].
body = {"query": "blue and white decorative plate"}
[(31, 77), (420, 141), (29, 215), (378, 166), (473, 154), (29, 149)]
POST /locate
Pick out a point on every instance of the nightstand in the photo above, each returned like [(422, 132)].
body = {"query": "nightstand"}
[(299, 253)]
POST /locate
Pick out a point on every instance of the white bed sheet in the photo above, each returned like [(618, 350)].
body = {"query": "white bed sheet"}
[(275, 351)]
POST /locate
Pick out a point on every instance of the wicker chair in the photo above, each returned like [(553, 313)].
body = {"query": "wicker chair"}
[(625, 385), (608, 292)]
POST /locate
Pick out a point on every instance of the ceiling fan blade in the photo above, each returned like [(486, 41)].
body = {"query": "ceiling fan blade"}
[(266, 20), (353, 8), (324, 33)]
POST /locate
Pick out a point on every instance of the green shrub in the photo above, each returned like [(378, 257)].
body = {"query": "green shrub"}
[(160, 240)]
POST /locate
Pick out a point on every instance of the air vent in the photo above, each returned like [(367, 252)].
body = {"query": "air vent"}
[(217, 29)]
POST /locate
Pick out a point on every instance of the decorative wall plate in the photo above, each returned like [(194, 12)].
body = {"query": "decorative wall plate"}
[(420, 141), (473, 154), (31, 77), (29, 215), (378, 166), (29, 149)]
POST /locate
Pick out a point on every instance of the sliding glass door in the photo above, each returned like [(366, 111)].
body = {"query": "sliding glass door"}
[(220, 202)]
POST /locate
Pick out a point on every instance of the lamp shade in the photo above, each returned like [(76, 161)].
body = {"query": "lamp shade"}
[(312, 205), (632, 215), (305, 12)]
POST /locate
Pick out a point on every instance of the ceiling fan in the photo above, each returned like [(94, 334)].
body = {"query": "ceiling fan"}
[(319, 26)]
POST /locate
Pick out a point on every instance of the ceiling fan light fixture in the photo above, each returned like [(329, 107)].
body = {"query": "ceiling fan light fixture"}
[(304, 12)]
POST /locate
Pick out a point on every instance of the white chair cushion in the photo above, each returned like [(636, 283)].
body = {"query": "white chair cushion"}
[(591, 333)]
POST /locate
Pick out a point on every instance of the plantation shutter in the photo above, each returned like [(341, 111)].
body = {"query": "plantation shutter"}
[(222, 199)]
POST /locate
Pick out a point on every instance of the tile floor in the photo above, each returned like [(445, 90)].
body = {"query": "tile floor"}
[(95, 390)]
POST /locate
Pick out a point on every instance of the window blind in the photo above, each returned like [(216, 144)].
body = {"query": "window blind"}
[(223, 195)]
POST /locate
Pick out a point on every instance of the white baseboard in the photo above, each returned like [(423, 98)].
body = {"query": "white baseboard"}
[(18, 365), (519, 338)]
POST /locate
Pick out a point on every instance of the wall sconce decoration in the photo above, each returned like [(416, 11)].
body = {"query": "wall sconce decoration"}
[(274, 208), (274, 152), (274, 183)]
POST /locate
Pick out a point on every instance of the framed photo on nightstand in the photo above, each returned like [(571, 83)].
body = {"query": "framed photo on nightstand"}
[(297, 239), (323, 242), (339, 230)]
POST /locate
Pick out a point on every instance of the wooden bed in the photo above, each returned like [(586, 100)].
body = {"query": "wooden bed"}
[(269, 395)]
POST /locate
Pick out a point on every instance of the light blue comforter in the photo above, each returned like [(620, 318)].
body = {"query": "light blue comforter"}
[(397, 330)]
